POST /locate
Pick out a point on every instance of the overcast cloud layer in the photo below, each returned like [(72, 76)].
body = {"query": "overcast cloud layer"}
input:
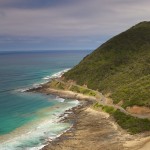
[(66, 24)]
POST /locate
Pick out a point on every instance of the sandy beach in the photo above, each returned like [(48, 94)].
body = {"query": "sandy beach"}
[(92, 129)]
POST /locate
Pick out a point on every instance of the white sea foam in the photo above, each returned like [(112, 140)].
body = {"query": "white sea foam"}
[(59, 99), (36, 148), (76, 102), (22, 90), (56, 75), (46, 79), (35, 135)]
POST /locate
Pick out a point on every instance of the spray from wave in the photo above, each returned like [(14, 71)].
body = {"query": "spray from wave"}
[(47, 127), (44, 80), (56, 75)]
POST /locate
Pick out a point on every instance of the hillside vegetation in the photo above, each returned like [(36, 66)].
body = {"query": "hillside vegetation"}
[(132, 124), (121, 66), (60, 85)]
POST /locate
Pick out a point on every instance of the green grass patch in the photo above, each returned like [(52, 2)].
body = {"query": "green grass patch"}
[(97, 105), (75, 88), (57, 85), (135, 93), (131, 124), (82, 90), (107, 109)]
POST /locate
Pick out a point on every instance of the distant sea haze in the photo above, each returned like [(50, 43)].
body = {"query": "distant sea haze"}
[(28, 120)]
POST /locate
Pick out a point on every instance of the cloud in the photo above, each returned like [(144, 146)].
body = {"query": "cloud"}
[(35, 4), (62, 20)]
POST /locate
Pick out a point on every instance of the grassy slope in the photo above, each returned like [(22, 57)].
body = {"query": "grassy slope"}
[(72, 87), (120, 66), (132, 124)]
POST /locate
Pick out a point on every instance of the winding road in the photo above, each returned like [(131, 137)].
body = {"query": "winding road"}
[(103, 102)]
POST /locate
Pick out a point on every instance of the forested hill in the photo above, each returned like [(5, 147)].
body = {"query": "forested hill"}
[(120, 67)]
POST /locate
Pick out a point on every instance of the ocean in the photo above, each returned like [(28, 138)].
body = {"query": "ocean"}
[(29, 120)]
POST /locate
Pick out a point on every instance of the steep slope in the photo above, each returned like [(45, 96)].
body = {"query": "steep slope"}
[(121, 66)]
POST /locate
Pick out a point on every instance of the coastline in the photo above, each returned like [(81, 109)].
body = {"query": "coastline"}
[(62, 93), (94, 130), (91, 126)]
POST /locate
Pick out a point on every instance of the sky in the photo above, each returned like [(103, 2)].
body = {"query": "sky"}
[(66, 24)]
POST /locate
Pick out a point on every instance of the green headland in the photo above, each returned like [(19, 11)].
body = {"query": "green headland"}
[(118, 70), (120, 67)]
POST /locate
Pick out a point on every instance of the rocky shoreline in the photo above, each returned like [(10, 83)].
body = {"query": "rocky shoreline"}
[(62, 93), (92, 130), (87, 134)]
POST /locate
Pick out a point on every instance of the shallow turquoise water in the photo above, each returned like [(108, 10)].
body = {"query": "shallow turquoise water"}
[(18, 109)]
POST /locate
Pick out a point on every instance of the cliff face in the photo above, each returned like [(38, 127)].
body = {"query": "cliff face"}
[(121, 66)]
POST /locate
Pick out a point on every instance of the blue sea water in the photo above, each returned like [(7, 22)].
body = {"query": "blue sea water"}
[(28, 120)]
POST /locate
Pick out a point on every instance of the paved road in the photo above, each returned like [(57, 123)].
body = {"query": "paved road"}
[(103, 102)]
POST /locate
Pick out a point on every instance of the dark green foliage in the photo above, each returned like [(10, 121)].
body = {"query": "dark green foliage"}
[(57, 85), (131, 124), (83, 90), (107, 109), (135, 93), (60, 85), (120, 66), (97, 105)]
